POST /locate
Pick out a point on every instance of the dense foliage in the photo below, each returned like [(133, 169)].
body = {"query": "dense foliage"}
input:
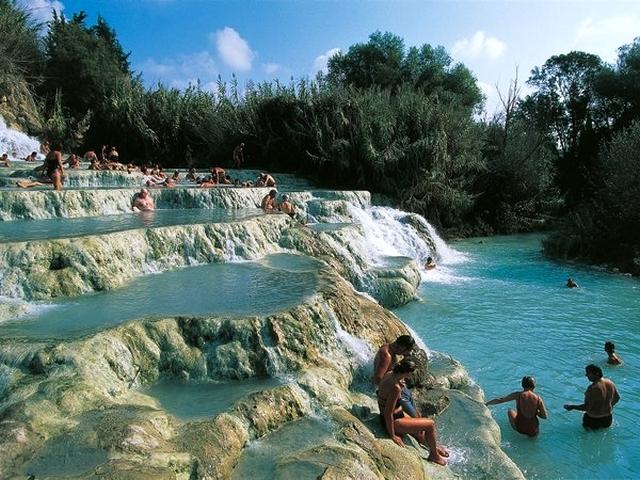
[(400, 121)]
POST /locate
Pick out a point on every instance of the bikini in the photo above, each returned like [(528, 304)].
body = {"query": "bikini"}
[(397, 410)]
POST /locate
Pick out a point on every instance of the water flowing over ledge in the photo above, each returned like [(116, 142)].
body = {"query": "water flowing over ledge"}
[(90, 395)]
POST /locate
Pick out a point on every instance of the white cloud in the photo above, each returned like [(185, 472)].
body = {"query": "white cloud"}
[(271, 68), (42, 10), (479, 46), (321, 61), (603, 36), (182, 70), (233, 49)]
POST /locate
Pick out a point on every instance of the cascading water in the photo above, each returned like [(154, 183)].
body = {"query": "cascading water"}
[(16, 144), (389, 232)]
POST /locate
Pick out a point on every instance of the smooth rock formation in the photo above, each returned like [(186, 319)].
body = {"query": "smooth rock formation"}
[(85, 390)]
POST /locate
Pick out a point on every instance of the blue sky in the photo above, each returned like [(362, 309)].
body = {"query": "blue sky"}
[(179, 41)]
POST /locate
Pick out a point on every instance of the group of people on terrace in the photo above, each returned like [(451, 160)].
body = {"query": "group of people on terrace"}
[(400, 416)]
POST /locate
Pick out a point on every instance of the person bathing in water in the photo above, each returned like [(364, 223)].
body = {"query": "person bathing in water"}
[(529, 407), (268, 203), (599, 399), (430, 265), (613, 358), (397, 423), (571, 283), (286, 206), (143, 202)]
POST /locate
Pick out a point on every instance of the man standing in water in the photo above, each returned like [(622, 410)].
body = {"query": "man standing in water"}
[(599, 400), (143, 202)]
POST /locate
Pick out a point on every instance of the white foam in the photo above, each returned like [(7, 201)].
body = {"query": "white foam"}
[(16, 144)]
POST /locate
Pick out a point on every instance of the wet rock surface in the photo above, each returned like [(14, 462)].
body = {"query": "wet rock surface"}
[(77, 408)]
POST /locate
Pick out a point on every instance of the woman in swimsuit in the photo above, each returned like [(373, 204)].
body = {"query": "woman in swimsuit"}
[(397, 423), (529, 407), (53, 168)]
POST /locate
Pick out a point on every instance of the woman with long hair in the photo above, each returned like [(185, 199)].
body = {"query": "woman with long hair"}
[(397, 423)]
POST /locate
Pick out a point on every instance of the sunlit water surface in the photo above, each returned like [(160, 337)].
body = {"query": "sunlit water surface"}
[(275, 283), (200, 400), (24, 230), (505, 313)]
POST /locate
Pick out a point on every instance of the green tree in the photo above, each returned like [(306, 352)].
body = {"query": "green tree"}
[(567, 108)]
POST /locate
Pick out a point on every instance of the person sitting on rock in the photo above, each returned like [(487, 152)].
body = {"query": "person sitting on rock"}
[(208, 182), (397, 423), (176, 176), (529, 406), (143, 202), (265, 180), (95, 164), (612, 357), (430, 265), (4, 161), (217, 173), (386, 358), (191, 175), (268, 203), (286, 206), (73, 161)]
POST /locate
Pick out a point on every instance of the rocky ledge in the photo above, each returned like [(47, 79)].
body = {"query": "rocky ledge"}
[(84, 398)]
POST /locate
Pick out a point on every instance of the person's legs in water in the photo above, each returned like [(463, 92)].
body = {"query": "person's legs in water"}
[(56, 178)]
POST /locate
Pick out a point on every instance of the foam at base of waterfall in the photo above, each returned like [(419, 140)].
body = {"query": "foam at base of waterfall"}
[(16, 144), (442, 274), (385, 234)]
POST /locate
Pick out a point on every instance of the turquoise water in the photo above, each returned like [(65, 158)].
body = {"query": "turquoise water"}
[(24, 230), (249, 288), (505, 313), (192, 401)]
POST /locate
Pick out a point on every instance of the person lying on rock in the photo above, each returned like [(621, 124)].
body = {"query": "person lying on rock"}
[(143, 202), (397, 423), (529, 406)]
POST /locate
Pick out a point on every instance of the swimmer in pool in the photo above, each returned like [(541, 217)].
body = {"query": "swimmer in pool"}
[(613, 358), (571, 283), (143, 202), (529, 406), (430, 265)]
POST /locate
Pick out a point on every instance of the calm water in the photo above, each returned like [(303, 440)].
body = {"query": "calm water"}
[(505, 313), (278, 282), (190, 401), (24, 230)]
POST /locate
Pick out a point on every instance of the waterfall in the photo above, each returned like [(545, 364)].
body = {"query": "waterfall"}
[(15, 143), (390, 232), (358, 348)]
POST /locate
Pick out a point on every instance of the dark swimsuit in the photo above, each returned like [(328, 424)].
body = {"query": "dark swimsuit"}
[(51, 166), (527, 426), (596, 423), (398, 413)]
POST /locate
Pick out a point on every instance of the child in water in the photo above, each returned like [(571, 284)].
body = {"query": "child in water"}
[(613, 358)]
